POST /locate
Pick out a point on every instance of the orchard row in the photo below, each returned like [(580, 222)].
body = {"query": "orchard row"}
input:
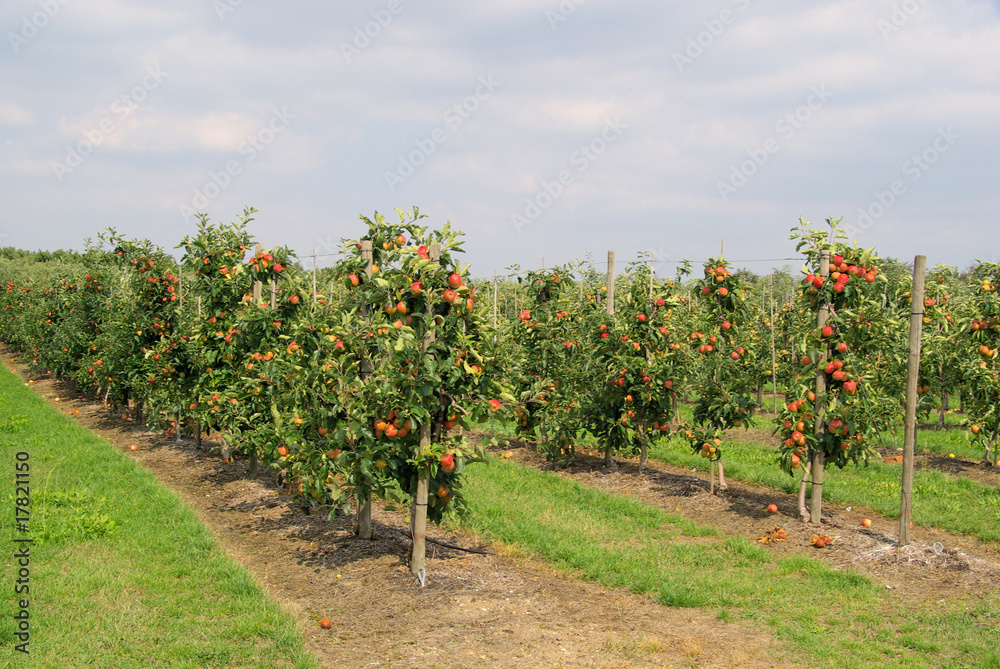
[(366, 386)]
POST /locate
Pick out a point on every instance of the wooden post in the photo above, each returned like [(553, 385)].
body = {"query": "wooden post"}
[(365, 527), (774, 357), (912, 375), (199, 305), (817, 457), (274, 290), (495, 307), (611, 283), (652, 261), (314, 278), (418, 512), (256, 284)]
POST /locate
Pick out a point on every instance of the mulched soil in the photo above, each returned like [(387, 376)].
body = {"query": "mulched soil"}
[(503, 609)]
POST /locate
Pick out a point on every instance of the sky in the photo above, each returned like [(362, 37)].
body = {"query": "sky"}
[(548, 131)]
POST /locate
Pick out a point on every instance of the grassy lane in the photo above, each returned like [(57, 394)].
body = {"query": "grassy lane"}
[(122, 574), (940, 500), (826, 617)]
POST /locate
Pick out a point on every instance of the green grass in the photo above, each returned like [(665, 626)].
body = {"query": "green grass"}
[(122, 573), (823, 616), (939, 499)]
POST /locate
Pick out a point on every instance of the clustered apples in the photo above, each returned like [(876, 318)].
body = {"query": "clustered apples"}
[(981, 364), (829, 351), (840, 271), (724, 391)]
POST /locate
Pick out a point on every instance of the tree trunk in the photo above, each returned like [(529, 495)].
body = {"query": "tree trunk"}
[(722, 476), (419, 516), (803, 509), (643, 443), (816, 501), (609, 462), (365, 528), (944, 408), (252, 466)]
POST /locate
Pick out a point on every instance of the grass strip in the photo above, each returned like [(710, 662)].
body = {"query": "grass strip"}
[(122, 573), (939, 499), (823, 615)]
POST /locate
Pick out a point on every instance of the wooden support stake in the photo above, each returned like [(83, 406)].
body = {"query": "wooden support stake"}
[(652, 260), (314, 278), (418, 512), (365, 527), (817, 457), (611, 283), (912, 375), (256, 284), (774, 357)]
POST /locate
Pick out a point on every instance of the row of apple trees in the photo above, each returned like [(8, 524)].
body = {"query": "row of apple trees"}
[(579, 369), (361, 391)]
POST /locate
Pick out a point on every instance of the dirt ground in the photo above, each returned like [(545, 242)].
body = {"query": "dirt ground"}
[(502, 609)]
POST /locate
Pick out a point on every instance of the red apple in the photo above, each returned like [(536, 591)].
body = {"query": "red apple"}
[(455, 280)]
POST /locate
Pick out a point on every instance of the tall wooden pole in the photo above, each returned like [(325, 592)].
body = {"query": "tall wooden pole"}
[(419, 510), (314, 277), (774, 357), (365, 528), (912, 374), (256, 284), (611, 283), (818, 456), (652, 261)]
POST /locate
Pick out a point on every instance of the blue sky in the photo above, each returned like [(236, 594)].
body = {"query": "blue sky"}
[(543, 129)]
